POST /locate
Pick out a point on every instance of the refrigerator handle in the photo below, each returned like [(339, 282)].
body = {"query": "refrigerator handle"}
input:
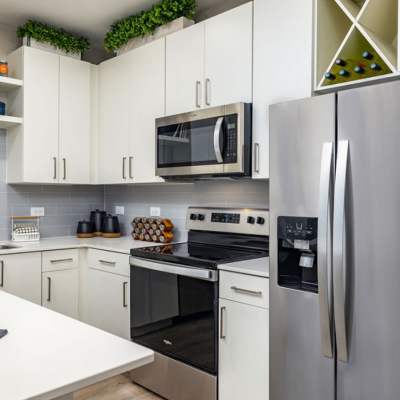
[(324, 249), (339, 260)]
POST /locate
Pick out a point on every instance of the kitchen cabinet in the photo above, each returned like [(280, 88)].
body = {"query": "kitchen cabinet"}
[(243, 340), (20, 275), (108, 305), (52, 145), (60, 291), (282, 66), (210, 63)]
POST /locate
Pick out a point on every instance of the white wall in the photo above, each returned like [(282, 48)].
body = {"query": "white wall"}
[(8, 39)]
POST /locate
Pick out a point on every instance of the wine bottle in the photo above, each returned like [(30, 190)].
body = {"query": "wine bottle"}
[(344, 73), (376, 67), (359, 69), (367, 55), (330, 76), (340, 62)]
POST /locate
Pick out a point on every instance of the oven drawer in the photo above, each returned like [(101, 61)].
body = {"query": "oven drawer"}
[(108, 261), (57, 260), (246, 289)]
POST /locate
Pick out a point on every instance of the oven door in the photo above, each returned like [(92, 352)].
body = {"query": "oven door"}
[(205, 142), (174, 311)]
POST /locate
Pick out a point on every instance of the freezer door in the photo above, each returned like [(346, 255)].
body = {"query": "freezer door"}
[(369, 271), (302, 138)]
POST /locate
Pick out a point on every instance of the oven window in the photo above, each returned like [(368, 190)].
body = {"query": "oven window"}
[(192, 143), (175, 316)]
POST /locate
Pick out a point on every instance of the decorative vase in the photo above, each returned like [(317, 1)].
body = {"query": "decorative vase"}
[(165, 30), (31, 42)]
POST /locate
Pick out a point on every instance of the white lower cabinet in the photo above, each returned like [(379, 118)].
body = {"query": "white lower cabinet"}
[(109, 302), (60, 291), (20, 275), (243, 351)]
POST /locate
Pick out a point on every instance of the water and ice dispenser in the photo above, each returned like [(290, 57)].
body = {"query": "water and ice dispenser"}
[(297, 253)]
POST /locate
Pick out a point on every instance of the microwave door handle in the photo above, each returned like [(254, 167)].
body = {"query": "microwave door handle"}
[(217, 136)]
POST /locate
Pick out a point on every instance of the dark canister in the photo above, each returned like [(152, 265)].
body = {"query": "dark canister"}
[(84, 229), (96, 218), (111, 227)]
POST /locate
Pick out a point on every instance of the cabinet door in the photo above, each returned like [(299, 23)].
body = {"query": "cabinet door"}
[(185, 70), (114, 119), (282, 68), (147, 104), (74, 162), (40, 140), (109, 302), (228, 57), (60, 291), (243, 352), (20, 275)]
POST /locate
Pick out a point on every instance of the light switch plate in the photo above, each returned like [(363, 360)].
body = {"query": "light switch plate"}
[(155, 211), (119, 210), (37, 211)]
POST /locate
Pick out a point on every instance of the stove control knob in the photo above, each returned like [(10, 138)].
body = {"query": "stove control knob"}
[(193, 217), (260, 220), (201, 217), (251, 220)]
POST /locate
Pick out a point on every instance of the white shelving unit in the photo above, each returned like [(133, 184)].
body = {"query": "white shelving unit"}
[(8, 84), (344, 29), (7, 121), (8, 92)]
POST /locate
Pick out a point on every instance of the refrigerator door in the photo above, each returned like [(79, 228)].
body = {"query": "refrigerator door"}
[(301, 159), (370, 266)]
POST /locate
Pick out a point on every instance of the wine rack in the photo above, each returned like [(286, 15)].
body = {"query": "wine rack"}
[(355, 42)]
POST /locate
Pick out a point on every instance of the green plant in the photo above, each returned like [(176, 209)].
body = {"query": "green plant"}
[(147, 21), (57, 37)]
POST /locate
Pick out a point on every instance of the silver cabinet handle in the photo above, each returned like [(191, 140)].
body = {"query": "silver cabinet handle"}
[(257, 157), (339, 261), (222, 334), (123, 167), (324, 254), (107, 262), (54, 167), (2, 273), (60, 260), (124, 286), (246, 291), (217, 137), (64, 169), (130, 167), (48, 289), (198, 94), (208, 91)]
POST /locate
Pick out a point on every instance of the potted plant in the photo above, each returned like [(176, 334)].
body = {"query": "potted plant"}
[(46, 37), (163, 18)]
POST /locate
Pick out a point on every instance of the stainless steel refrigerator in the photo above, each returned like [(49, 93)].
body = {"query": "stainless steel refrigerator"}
[(335, 246)]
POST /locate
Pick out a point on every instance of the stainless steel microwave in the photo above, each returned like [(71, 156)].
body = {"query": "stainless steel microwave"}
[(210, 142)]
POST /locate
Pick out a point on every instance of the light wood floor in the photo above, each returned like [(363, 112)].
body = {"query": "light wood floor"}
[(118, 388)]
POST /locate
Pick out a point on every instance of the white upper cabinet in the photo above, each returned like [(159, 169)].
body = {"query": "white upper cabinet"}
[(282, 65), (210, 63), (229, 57), (185, 70), (75, 109)]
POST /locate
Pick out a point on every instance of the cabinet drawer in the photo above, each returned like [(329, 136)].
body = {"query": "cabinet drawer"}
[(60, 259), (246, 289), (108, 261)]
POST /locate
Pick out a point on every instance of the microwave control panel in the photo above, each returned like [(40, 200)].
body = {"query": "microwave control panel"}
[(231, 124)]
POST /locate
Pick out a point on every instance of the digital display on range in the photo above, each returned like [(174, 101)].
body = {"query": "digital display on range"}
[(225, 218)]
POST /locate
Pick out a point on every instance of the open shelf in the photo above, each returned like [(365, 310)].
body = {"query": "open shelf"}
[(7, 121), (7, 84), (352, 8)]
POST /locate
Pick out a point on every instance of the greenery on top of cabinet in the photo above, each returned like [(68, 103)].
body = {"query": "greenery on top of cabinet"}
[(54, 36), (147, 21)]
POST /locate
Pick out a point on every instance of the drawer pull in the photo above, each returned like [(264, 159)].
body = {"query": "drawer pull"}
[(2, 273), (246, 291), (124, 287), (112, 263), (48, 289), (60, 260), (222, 334)]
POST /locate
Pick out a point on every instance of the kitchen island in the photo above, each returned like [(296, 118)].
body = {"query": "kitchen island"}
[(46, 355)]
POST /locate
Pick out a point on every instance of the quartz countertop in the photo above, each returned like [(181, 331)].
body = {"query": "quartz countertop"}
[(47, 355), (256, 267)]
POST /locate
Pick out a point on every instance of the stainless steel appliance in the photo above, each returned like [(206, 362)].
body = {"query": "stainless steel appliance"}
[(210, 142), (335, 257), (174, 299)]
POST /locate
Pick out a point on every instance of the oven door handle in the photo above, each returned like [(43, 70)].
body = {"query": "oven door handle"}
[(217, 137), (176, 269)]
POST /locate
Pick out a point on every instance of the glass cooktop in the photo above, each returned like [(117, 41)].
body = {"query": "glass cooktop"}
[(197, 254)]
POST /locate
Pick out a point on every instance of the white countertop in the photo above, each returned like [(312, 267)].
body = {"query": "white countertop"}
[(46, 354), (257, 267), (120, 245)]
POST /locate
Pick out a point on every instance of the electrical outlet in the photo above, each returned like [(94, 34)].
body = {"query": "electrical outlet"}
[(155, 211), (120, 210), (37, 211)]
